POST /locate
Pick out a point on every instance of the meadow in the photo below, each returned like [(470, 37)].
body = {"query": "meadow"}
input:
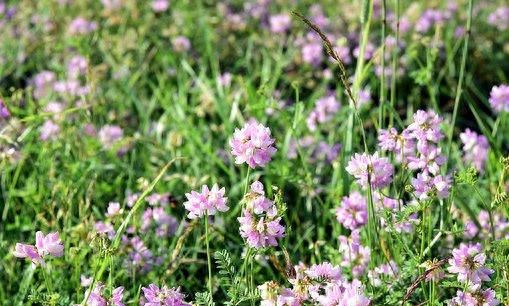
[(257, 152)]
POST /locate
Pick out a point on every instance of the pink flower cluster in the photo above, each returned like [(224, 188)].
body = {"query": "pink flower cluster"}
[(477, 298), (499, 98), (321, 284), (468, 263), (44, 246), (98, 298), (370, 169), (207, 202), (164, 296), (354, 256), (352, 213), (417, 147), (475, 149), (252, 145), (324, 111), (260, 223)]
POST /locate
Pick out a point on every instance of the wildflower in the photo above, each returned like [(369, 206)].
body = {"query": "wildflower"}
[(425, 128), (43, 83), (259, 222), (80, 25), (352, 213), (49, 244), (49, 131), (499, 98), (71, 87), (344, 294), (4, 112), (86, 281), (468, 262), (208, 202), (354, 256), (478, 298), (323, 112), (312, 53), (427, 186), (252, 145), (77, 66), (139, 256), (109, 135), (272, 294), (500, 18), (113, 209), (280, 23), (44, 246), (160, 5), (163, 296), (383, 272), (181, 44), (475, 148), (105, 228), (97, 296), (378, 169)]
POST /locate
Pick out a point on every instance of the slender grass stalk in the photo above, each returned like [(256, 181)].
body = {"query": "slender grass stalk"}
[(247, 180), (459, 88), (395, 53), (209, 264), (47, 281), (382, 76)]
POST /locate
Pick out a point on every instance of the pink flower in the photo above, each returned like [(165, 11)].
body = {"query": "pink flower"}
[(44, 245), (379, 170), (252, 145), (81, 26), (163, 297), (354, 255), (113, 209), (49, 131), (109, 135), (160, 5), (475, 149), (181, 44), (352, 213), (323, 112), (280, 23), (208, 202), (260, 224), (499, 98), (49, 244), (28, 251), (478, 298), (468, 263)]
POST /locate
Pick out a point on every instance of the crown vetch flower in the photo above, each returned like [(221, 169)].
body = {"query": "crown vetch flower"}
[(252, 145), (353, 212), (468, 262), (475, 148), (499, 98), (208, 201), (379, 170), (260, 224), (49, 244), (30, 252), (478, 298), (163, 296)]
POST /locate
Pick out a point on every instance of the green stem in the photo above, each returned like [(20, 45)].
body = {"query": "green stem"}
[(247, 180), (209, 265), (382, 77), (459, 88), (47, 281), (395, 52)]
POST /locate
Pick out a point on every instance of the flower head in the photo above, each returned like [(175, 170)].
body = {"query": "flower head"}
[(378, 169), (206, 202), (352, 213), (468, 262), (499, 98), (163, 296), (252, 145)]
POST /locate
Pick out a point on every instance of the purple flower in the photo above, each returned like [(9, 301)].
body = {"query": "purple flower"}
[(181, 44), (49, 244), (478, 298), (43, 83), (77, 66), (80, 25), (425, 128), (280, 23), (378, 169), (324, 272), (353, 212), (427, 186), (252, 145), (109, 135), (44, 245), (206, 202), (259, 222), (499, 98), (49, 131), (383, 272), (354, 256), (468, 262), (97, 296), (312, 53), (105, 228), (113, 209), (28, 251), (4, 112), (139, 256), (160, 5), (163, 296), (500, 18), (344, 294), (475, 148), (323, 112)]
